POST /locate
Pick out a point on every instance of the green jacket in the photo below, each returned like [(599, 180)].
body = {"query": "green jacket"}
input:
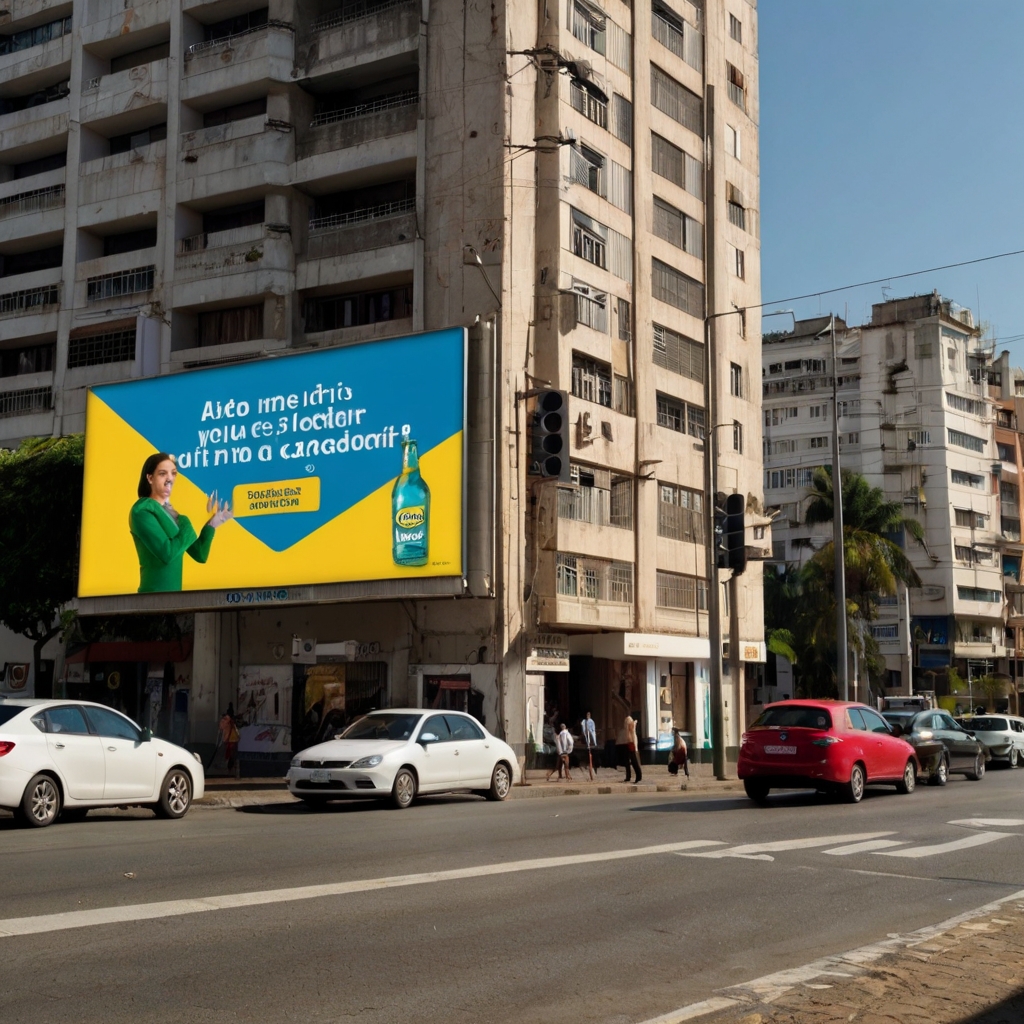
[(161, 543)]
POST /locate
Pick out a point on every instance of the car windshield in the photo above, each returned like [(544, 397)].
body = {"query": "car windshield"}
[(984, 725), (902, 718), (381, 727), (795, 718), (8, 711)]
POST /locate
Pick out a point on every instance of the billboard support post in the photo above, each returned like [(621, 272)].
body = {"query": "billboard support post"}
[(480, 475)]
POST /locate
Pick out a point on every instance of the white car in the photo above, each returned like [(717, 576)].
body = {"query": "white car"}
[(63, 757), (402, 752), (1002, 734)]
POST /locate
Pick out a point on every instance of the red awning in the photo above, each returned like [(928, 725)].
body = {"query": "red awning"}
[(155, 651)]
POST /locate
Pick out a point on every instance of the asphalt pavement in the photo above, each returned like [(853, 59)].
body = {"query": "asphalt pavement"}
[(615, 910)]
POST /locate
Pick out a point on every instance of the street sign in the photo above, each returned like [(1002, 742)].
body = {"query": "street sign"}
[(548, 652)]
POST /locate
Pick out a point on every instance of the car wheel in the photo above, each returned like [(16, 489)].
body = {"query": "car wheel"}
[(501, 782), (909, 781), (1014, 758), (40, 804), (403, 792), (175, 794), (756, 790), (853, 791), (940, 776), (978, 772)]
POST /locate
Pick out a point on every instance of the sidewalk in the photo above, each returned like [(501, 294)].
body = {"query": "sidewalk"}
[(229, 792)]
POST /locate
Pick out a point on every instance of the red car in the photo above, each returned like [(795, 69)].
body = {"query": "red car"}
[(828, 745)]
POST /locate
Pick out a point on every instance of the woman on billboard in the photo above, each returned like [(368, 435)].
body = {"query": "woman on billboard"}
[(162, 535)]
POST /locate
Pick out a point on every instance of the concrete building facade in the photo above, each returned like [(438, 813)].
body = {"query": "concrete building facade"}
[(188, 183), (927, 413)]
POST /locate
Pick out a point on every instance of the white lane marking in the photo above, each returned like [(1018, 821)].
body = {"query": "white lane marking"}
[(988, 822), (853, 962), (763, 851), (977, 839), (889, 874), (867, 847), (175, 908)]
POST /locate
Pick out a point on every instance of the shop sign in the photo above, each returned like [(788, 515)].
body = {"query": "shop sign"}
[(549, 652), (753, 650), (339, 466)]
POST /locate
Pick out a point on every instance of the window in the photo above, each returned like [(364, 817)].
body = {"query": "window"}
[(890, 631), (123, 282), (968, 441), (620, 186), (622, 119), (593, 578), (917, 437), (585, 99), (737, 436), (775, 367), (30, 37), (818, 442), (622, 315), (804, 477), (97, 349), (689, 593), (817, 411), (222, 326), (853, 437), (736, 86), (737, 216), (776, 478), (959, 477), (972, 555), (677, 166), (588, 24), (622, 396), (67, 719), (591, 307), (680, 416), (110, 723), (589, 239), (979, 594), (587, 168), (677, 35), (735, 28), (736, 380), (598, 498), (739, 261), (138, 139), (676, 227), (676, 352), (733, 142), (677, 289), (1009, 493), (680, 513), (620, 503), (591, 380), (235, 112), (330, 313), (968, 517), (1006, 452), (675, 100)]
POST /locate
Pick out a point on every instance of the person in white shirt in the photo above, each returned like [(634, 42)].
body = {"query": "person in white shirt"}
[(563, 748), (588, 729)]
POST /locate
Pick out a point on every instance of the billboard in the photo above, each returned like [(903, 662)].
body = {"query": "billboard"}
[(336, 466)]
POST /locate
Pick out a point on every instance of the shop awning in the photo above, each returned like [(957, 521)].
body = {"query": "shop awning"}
[(153, 651)]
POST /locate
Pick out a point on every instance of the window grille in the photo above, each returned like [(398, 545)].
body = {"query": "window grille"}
[(25, 402), (591, 310), (677, 35), (29, 300), (593, 578), (673, 163), (589, 239), (968, 441), (675, 100), (689, 593), (677, 289), (343, 220), (123, 282), (97, 349), (586, 168), (32, 202), (680, 513), (592, 107), (591, 380), (676, 227), (676, 352)]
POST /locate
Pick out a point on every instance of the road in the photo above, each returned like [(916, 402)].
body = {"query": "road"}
[(613, 931)]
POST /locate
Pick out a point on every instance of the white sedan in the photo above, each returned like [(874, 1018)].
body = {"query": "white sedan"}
[(400, 753), (67, 756), (1002, 734)]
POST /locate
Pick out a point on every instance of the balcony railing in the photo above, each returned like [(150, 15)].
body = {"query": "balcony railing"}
[(120, 283), (593, 578), (354, 12), (39, 199), (402, 99), (25, 402), (342, 220), (197, 49), (29, 300), (212, 239)]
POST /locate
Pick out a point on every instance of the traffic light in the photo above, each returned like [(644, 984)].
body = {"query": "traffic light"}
[(721, 547), (735, 539), (549, 453)]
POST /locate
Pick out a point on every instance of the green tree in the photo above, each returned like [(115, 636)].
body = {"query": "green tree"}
[(40, 513)]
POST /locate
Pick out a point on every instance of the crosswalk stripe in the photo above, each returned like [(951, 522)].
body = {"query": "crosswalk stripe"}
[(978, 839), (867, 847), (762, 851)]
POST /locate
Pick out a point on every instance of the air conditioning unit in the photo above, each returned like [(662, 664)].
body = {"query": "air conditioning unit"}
[(303, 651)]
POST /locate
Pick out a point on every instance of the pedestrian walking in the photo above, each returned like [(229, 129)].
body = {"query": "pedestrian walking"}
[(631, 747), (229, 735), (588, 730), (680, 755), (563, 748)]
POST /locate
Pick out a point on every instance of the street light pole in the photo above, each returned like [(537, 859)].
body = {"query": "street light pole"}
[(842, 668)]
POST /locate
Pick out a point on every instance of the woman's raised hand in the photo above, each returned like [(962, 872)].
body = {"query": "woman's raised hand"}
[(221, 511)]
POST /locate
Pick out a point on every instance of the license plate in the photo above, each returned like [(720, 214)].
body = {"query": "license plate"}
[(319, 775), (776, 748)]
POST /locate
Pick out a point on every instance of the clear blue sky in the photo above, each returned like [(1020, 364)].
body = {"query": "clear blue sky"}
[(891, 141)]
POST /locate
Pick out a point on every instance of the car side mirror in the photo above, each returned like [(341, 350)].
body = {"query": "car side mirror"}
[(426, 738), (147, 734)]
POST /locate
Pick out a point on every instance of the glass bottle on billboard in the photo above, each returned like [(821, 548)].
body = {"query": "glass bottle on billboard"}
[(410, 510)]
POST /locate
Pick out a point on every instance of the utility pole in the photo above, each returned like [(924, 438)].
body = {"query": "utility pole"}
[(842, 668)]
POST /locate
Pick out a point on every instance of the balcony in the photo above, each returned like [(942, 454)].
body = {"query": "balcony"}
[(116, 281), (255, 55), (374, 227), (107, 19), (37, 211), (29, 127), (233, 157), (353, 126), (26, 410), (138, 173), (34, 299), (360, 32), (114, 104), (589, 591), (977, 648), (34, 65)]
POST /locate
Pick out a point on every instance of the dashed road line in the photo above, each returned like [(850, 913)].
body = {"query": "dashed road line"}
[(870, 846), (976, 839), (763, 851)]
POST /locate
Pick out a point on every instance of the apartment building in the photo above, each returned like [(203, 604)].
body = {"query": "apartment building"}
[(927, 413), (188, 183)]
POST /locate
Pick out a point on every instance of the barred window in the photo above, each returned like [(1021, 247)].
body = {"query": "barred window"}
[(123, 282), (593, 578), (15, 303), (680, 513), (587, 168), (675, 164), (690, 593), (676, 227), (622, 119), (677, 289), (589, 239), (677, 35), (26, 401), (592, 311), (591, 380), (584, 98), (676, 352), (598, 497), (97, 349), (968, 441), (675, 100)]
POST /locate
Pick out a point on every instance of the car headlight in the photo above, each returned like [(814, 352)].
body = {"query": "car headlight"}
[(367, 762), (296, 761)]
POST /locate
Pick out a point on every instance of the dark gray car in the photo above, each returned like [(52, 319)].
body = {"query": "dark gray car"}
[(943, 747)]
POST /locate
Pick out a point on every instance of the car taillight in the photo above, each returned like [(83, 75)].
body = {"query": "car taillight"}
[(6, 746), (826, 741)]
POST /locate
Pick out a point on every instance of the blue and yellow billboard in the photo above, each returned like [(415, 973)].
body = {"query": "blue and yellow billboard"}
[(326, 467)]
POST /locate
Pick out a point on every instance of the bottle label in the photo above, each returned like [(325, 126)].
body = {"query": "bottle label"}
[(411, 517)]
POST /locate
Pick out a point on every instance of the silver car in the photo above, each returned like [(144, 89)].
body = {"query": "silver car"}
[(1002, 734)]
